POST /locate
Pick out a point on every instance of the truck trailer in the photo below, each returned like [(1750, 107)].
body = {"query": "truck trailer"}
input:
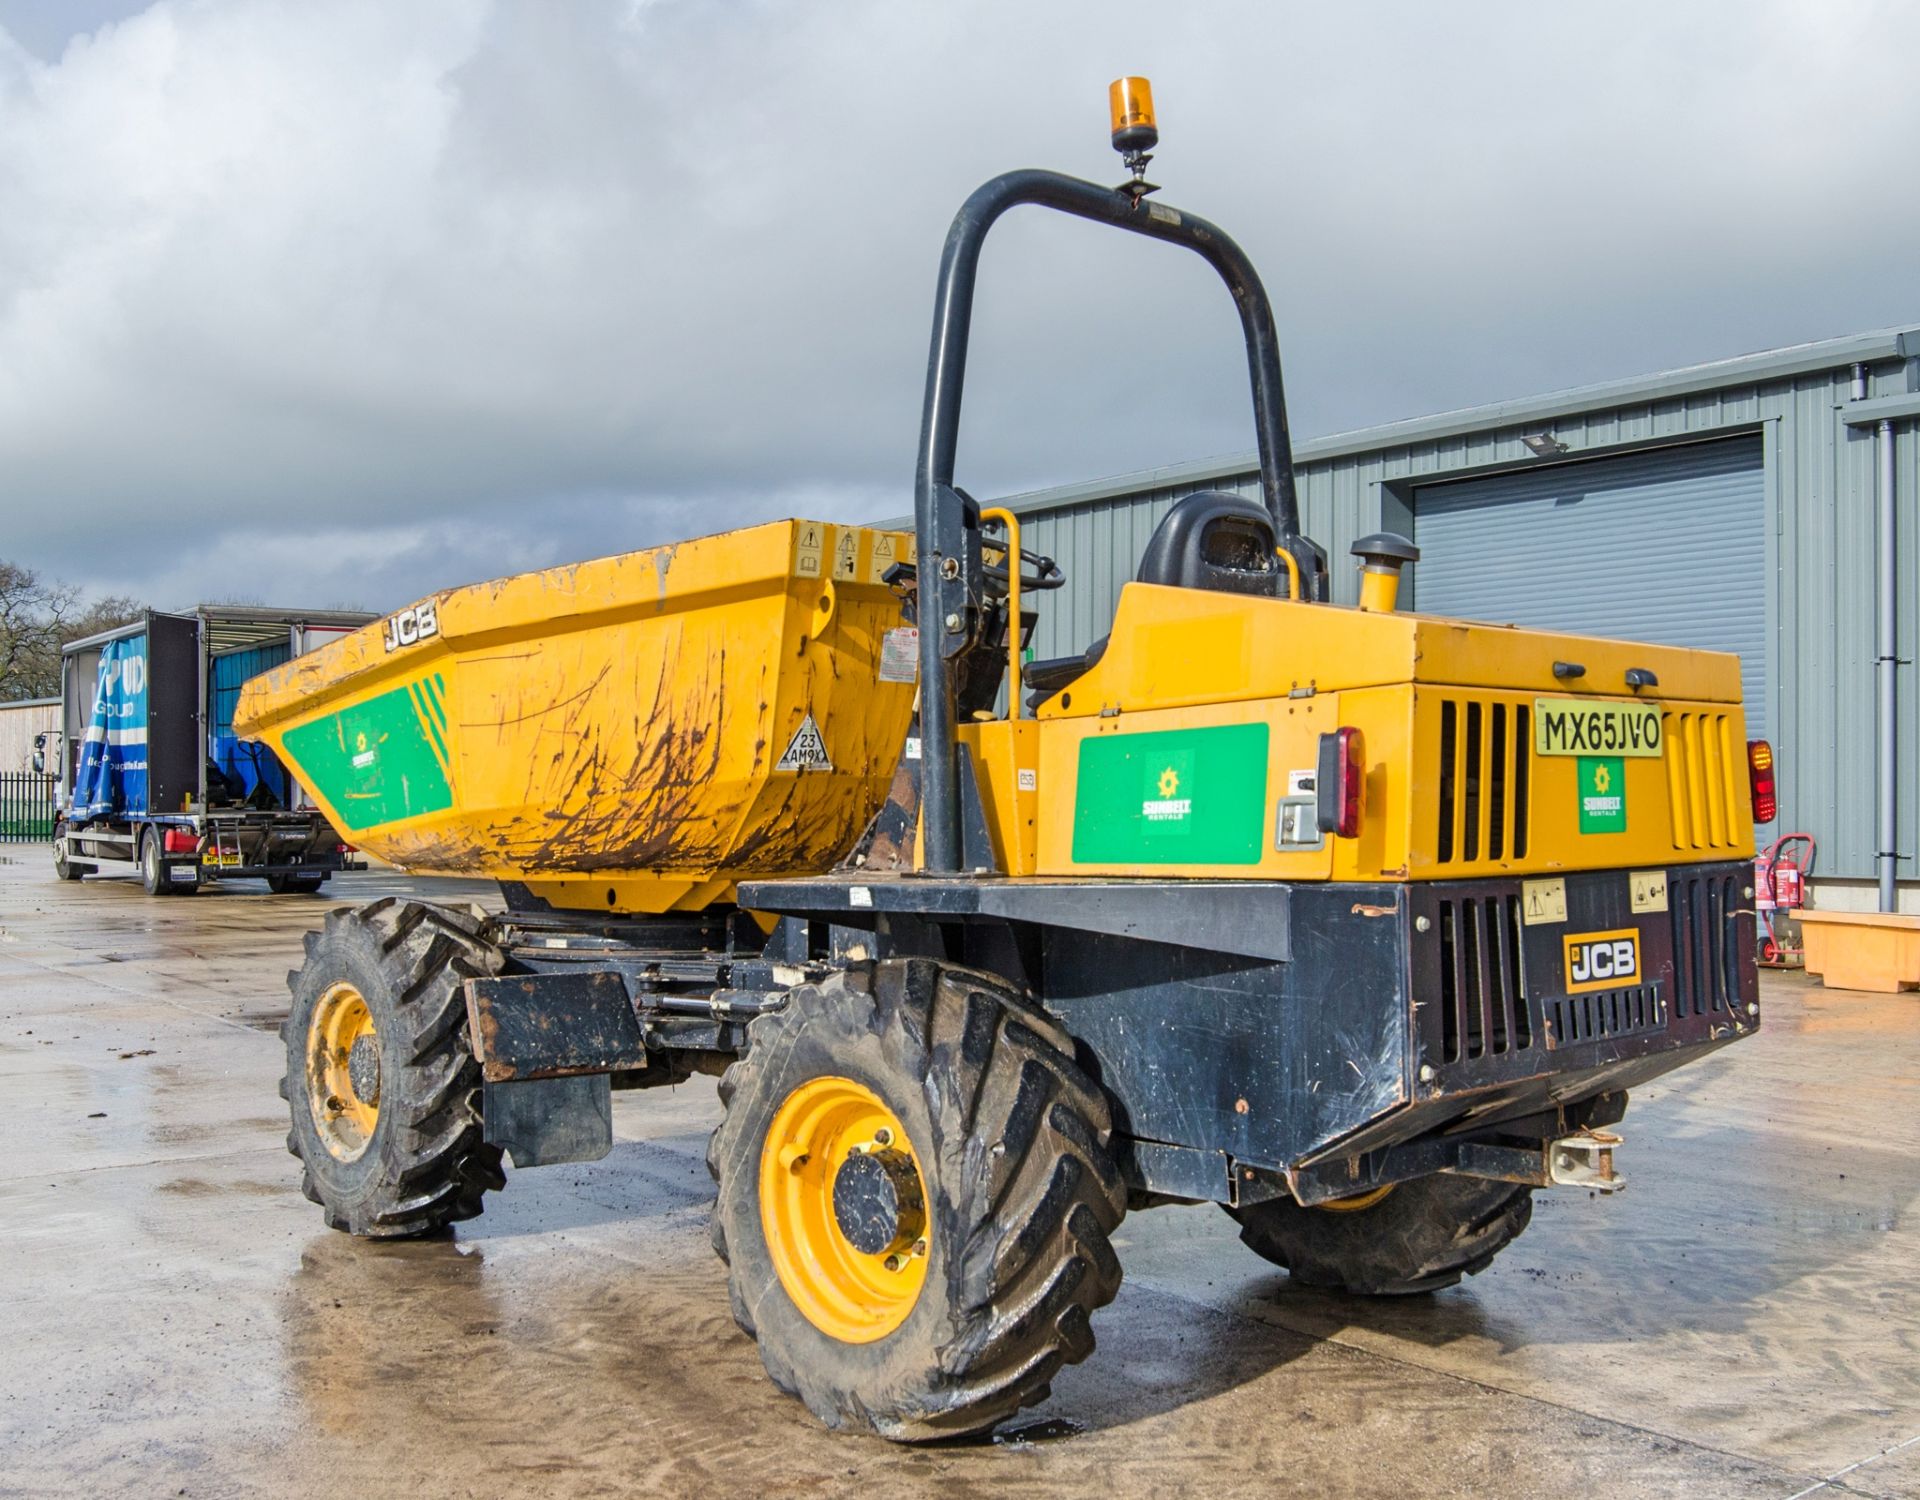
[(151, 772)]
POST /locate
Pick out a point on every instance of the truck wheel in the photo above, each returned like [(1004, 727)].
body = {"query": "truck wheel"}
[(64, 867), (1417, 1236), (915, 1199), (153, 869), (295, 885), (381, 1082)]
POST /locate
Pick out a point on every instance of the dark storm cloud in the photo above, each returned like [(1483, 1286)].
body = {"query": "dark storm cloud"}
[(336, 304)]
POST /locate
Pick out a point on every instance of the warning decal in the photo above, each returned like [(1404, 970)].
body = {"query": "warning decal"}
[(806, 751), (846, 554), (808, 543)]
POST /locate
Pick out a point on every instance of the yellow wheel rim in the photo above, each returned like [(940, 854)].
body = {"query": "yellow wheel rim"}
[(343, 1071), (831, 1262), (1358, 1201)]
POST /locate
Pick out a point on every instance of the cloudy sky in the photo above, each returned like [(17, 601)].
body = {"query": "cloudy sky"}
[(335, 304)]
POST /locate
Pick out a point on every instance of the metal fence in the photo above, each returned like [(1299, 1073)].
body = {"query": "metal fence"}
[(26, 807)]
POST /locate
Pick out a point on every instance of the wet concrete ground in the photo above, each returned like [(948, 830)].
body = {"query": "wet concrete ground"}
[(1742, 1321)]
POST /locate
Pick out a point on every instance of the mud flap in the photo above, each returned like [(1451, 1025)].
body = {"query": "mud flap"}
[(546, 1026), (545, 1121)]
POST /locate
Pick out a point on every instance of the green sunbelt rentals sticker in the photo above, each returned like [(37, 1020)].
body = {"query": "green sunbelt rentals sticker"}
[(1603, 794), (1172, 797), (382, 760)]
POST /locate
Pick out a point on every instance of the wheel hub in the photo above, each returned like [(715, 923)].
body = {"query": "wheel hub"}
[(843, 1208), (343, 1071), (877, 1201), (363, 1068)]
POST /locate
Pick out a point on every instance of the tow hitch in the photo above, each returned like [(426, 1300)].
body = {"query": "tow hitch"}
[(1585, 1160)]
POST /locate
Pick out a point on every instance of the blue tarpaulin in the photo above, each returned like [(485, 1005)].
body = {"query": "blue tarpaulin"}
[(245, 764), (111, 779)]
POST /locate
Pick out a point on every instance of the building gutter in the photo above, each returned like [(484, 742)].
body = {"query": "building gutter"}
[(1886, 665), (1881, 414)]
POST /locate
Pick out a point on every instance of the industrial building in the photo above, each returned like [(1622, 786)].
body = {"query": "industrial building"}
[(1764, 505), (23, 723)]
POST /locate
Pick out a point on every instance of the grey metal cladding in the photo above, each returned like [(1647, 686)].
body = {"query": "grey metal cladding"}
[(1667, 544)]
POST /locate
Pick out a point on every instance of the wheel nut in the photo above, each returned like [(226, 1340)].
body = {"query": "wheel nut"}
[(919, 1247), (883, 1137), (893, 1263)]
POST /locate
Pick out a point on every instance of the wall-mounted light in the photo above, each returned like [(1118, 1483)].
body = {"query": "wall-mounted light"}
[(1543, 444)]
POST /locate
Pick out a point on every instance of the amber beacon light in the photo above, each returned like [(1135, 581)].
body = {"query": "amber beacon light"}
[(1130, 104)]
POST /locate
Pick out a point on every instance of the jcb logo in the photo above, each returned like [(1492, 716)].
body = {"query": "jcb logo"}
[(411, 626), (1602, 960)]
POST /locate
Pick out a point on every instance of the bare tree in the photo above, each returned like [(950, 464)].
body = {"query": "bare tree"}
[(37, 614)]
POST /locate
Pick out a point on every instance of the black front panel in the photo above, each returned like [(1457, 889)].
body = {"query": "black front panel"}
[(1502, 997)]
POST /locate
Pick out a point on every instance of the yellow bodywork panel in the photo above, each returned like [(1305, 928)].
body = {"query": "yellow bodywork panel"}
[(1173, 646), (1180, 751), (636, 733), (1006, 765)]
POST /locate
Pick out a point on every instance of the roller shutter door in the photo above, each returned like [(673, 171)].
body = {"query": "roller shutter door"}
[(1667, 545)]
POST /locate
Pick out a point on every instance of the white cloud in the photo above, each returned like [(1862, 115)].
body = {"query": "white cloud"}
[(365, 298)]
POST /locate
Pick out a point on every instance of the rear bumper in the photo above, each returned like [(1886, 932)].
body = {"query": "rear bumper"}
[(211, 873), (1498, 1016), (1299, 1032), (253, 845)]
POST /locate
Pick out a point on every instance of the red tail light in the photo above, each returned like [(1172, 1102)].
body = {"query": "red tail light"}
[(345, 849), (1766, 806), (1340, 779), (180, 841)]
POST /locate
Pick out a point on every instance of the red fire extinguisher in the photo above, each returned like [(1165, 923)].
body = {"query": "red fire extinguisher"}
[(1780, 878)]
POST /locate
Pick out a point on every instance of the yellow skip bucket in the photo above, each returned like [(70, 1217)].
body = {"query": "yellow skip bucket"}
[(635, 733)]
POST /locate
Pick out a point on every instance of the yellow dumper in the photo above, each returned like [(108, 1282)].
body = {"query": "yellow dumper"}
[(633, 734), (1358, 923)]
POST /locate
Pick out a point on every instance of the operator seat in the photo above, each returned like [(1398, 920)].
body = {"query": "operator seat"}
[(1210, 540)]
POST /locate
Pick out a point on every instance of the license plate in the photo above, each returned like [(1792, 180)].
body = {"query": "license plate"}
[(1580, 726), (1601, 960), (222, 860)]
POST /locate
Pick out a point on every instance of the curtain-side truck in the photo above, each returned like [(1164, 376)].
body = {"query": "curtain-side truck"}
[(151, 772)]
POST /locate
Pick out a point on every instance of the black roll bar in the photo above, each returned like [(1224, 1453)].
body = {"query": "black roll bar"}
[(947, 524)]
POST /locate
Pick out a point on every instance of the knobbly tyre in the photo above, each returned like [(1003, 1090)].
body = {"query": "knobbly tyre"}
[(1357, 923)]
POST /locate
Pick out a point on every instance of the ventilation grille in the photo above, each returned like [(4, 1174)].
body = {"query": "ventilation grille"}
[(1572, 1019), (1706, 959), (1485, 749), (1483, 997), (1705, 780)]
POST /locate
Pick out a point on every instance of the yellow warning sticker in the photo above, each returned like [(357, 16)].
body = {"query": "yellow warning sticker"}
[(1648, 890), (1543, 901), (885, 553), (809, 544), (846, 554)]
